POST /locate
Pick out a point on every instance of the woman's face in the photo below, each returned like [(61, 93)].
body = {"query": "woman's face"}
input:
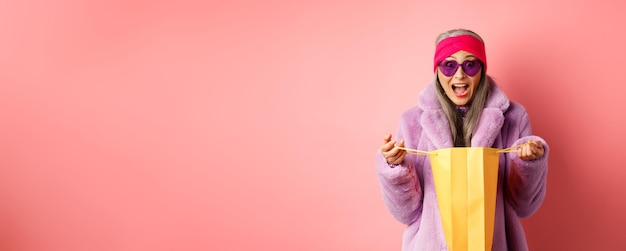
[(460, 87)]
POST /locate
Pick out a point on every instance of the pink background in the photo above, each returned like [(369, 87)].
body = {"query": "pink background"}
[(171, 125)]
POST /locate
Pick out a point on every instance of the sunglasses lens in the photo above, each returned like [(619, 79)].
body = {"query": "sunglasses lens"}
[(448, 67), (471, 68)]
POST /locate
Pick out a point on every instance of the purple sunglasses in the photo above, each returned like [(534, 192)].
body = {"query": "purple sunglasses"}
[(470, 67)]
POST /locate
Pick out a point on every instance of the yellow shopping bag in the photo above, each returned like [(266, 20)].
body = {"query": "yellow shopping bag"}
[(466, 180)]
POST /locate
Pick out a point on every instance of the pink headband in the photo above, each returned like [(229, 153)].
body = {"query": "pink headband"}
[(451, 45)]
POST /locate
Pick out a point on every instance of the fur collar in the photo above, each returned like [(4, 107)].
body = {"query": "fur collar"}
[(435, 123)]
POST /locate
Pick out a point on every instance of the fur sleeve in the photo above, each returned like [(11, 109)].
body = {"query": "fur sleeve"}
[(400, 185), (526, 181)]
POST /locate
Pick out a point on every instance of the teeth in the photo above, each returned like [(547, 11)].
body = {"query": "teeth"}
[(460, 85)]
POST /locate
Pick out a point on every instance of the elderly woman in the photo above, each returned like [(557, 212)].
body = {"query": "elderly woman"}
[(462, 107)]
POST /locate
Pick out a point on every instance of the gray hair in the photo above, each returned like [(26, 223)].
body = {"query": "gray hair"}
[(463, 129)]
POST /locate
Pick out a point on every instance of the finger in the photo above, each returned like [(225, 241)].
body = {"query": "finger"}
[(527, 150), (403, 155), (522, 156), (539, 151), (402, 152), (392, 147), (524, 152), (393, 161), (397, 151), (388, 146), (539, 145), (387, 138), (534, 147), (398, 157)]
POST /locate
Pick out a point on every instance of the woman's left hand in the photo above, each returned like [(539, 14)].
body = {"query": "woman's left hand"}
[(531, 151)]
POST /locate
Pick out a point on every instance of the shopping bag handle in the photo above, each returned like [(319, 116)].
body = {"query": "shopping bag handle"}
[(415, 151), (515, 148)]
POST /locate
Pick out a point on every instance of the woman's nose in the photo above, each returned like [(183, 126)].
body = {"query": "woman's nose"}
[(459, 73)]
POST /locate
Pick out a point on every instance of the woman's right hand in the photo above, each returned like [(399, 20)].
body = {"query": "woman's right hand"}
[(393, 155)]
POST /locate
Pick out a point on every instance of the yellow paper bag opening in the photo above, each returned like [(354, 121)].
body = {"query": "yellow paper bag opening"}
[(466, 181)]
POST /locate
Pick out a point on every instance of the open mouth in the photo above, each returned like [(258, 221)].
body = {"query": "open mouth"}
[(460, 90)]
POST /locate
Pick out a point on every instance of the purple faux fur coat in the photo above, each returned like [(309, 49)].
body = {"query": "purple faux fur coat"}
[(408, 189)]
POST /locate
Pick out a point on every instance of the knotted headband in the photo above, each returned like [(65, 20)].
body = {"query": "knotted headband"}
[(451, 45)]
